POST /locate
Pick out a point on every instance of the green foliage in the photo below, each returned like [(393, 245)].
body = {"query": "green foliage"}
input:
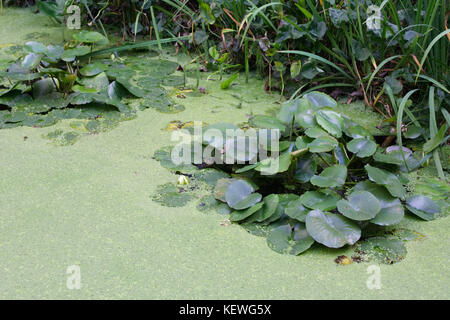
[(319, 191), (51, 82)]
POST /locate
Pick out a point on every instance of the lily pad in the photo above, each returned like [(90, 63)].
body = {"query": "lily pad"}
[(267, 122), (387, 179), (320, 100), (322, 144), (360, 206), (362, 147), (422, 207), (320, 200), (332, 230), (331, 177), (331, 121), (240, 215), (287, 240), (70, 55), (270, 205), (170, 195), (296, 210), (88, 36), (239, 195), (93, 69), (391, 211)]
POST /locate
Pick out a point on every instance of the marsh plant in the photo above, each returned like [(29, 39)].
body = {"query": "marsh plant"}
[(332, 182)]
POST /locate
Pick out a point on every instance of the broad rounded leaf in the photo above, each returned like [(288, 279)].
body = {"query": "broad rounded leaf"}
[(362, 147), (323, 144), (70, 54), (242, 214), (391, 212), (271, 166), (357, 131), (332, 230), (239, 195), (360, 206), (296, 210), (35, 47), (267, 122), (31, 61), (331, 121), (221, 188), (316, 132), (423, 207), (88, 36), (320, 200), (270, 205), (285, 240), (320, 100), (93, 69), (331, 177), (387, 179)]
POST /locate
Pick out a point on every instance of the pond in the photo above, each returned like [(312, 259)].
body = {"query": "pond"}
[(75, 196)]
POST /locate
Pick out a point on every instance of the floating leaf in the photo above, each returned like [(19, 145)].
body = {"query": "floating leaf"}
[(296, 210), (362, 147), (242, 214), (287, 240), (31, 61), (269, 208), (391, 211), (356, 132), (93, 69), (88, 37), (331, 177), (323, 144), (170, 195), (331, 121), (239, 195), (413, 132), (271, 166), (99, 82), (35, 47), (320, 100), (315, 132), (387, 179), (340, 155), (360, 206), (423, 207), (267, 122), (70, 54), (332, 230), (320, 200), (221, 188), (391, 158)]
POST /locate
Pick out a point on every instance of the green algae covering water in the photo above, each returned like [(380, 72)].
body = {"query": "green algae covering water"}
[(88, 204)]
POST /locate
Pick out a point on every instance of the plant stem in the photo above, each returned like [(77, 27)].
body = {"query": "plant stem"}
[(155, 26), (246, 60)]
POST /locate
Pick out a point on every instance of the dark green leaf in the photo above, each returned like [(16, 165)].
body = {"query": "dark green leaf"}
[(423, 207), (332, 230)]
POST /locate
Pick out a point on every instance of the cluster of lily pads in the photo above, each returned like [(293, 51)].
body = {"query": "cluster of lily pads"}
[(49, 83), (332, 183)]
